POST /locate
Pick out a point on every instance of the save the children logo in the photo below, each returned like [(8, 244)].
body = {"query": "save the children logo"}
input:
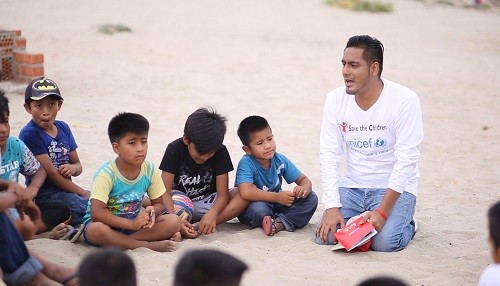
[(343, 126)]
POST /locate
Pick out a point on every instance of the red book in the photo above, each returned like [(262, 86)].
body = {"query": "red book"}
[(354, 234)]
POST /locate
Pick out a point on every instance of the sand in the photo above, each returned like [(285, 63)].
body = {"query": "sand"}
[(279, 59)]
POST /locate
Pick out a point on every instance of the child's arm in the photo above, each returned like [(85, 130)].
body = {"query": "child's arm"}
[(303, 188), (168, 180), (209, 219), (250, 192), (37, 180), (100, 213), (74, 168), (57, 178)]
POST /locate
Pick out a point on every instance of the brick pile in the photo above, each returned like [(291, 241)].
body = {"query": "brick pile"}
[(16, 63)]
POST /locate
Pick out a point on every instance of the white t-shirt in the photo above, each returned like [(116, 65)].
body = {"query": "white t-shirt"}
[(490, 276), (382, 144)]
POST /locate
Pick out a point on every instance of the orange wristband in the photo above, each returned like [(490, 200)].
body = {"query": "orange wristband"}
[(382, 214)]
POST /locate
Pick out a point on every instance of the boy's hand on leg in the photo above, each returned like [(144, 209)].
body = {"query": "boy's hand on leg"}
[(286, 198), (208, 223)]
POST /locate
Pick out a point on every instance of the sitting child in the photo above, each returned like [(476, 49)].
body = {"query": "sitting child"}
[(259, 176), (491, 275), (197, 164), (18, 159), (115, 216), (54, 146), (107, 267), (208, 267)]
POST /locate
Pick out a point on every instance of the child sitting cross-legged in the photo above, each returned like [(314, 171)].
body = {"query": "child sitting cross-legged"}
[(115, 216)]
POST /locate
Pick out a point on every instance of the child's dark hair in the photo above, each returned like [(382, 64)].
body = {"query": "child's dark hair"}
[(382, 281), (250, 125), (125, 122), (107, 267), (208, 267), (205, 128), (494, 224), (4, 107)]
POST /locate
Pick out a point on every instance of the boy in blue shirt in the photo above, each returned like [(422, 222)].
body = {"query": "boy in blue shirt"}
[(259, 176), (54, 146), (115, 216), (18, 159)]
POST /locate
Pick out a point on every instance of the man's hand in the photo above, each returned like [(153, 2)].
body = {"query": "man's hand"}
[(285, 198), (375, 219), (331, 218)]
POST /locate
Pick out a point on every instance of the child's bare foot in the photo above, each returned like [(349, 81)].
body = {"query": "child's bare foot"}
[(176, 237), (162, 246), (272, 226), (56, 233)]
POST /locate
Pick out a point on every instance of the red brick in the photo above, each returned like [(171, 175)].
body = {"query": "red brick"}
[(20, 43), (30, 70), (23, 78), (28, 58)]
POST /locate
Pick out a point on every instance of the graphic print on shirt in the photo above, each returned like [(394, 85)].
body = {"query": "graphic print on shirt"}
[(59, 154), (12, 169), (196, 186), (360, 138), (277, 182)]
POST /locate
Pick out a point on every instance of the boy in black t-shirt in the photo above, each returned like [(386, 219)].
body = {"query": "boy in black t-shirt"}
[(198, 164)]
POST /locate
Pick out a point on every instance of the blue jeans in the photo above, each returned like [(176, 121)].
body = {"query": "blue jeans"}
[(296, 216), (17, 265), (398, 230), (77, 204)]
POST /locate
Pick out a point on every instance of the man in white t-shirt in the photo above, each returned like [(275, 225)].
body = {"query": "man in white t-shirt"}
[(491, 274), (377, 125)]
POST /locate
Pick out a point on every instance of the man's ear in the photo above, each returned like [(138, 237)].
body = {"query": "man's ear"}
[(59, 103), (374, 68), (246, 149), (185, 139), (116, 148), (27, 107)]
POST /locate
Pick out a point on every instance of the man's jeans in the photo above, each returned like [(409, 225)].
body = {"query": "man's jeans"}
[(399, 228), (296, 216)]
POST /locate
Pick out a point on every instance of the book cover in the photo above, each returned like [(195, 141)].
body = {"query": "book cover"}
[(354, 234)]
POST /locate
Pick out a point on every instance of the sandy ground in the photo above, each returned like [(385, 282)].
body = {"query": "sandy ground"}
[(278, 59)]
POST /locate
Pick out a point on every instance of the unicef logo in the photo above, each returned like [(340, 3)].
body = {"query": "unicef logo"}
[(380, 142)]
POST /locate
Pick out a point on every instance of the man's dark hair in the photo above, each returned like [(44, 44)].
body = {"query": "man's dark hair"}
[(107, 267), (250, 125), (208, 267), (494, 223), (205, 128), (382, 281), (4, 107), (373, 50), (125, 122)]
